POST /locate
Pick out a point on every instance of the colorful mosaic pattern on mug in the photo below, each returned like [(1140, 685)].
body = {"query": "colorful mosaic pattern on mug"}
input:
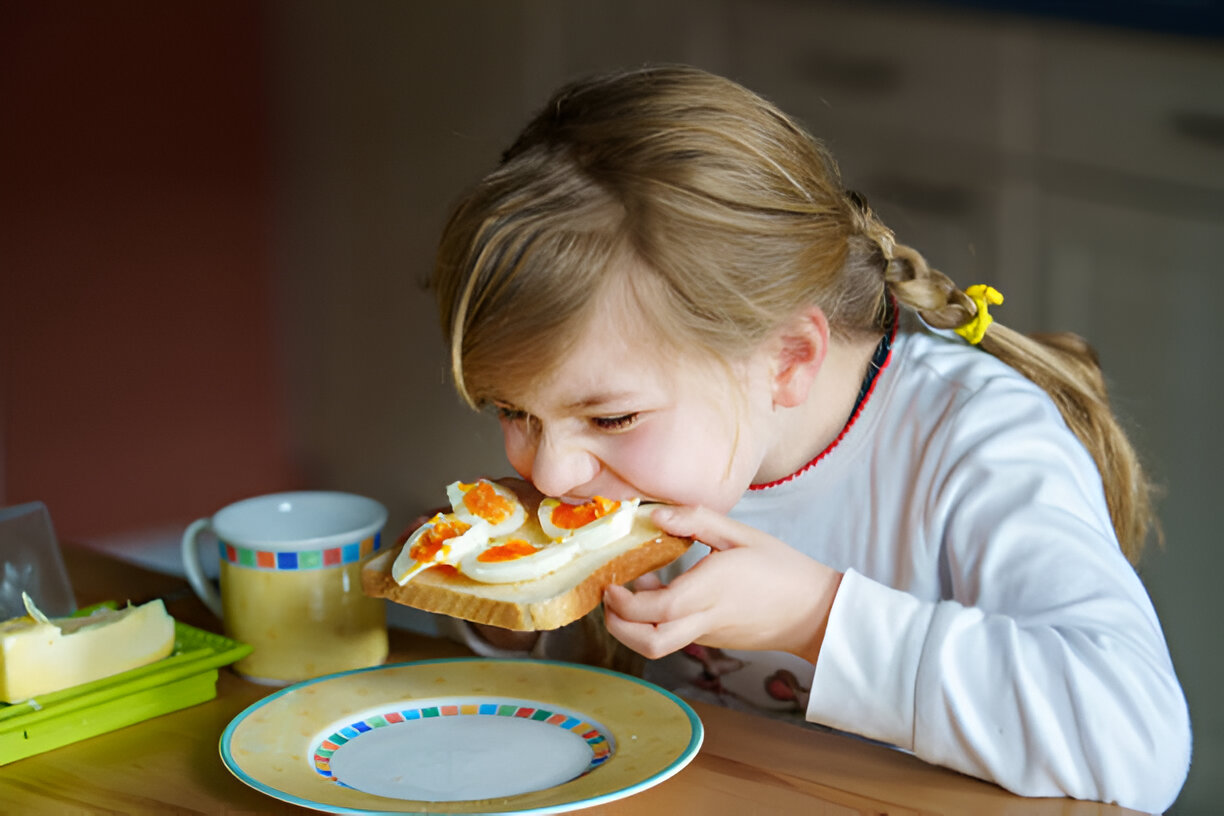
[(311, 559), (601, 747)]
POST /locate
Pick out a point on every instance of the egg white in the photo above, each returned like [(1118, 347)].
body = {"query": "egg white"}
[(566, 546), (452, 551), (595, 534), (463, 551), (524, 568), (455, 492)]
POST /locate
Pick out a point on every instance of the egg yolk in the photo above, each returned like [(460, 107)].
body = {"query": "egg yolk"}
[(430, 543), (573, 516), (512, 549), (483, 501)]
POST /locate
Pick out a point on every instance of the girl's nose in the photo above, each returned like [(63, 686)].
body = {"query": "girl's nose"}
[(561, 467)]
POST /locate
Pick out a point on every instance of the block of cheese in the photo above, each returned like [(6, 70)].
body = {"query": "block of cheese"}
[(39, 655)]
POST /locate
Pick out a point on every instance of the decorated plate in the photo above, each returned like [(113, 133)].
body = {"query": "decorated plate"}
[(470, 735)]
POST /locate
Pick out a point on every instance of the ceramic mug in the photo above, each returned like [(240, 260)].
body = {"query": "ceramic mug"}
[(291, 582)]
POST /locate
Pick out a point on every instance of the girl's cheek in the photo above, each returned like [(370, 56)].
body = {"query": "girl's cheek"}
[(519, 451), (645, 458), (682, 462)]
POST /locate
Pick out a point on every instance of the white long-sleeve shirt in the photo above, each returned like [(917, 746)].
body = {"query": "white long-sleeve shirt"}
[(987, 621)]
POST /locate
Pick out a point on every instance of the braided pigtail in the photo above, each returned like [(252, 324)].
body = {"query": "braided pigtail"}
[(1062, 364)]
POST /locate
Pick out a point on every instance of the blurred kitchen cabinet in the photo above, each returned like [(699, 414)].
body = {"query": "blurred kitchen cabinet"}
[(1137, 106), (930, 115), (1144, 288), (858, 76), (1131, 180), (960, 126), (1132, 221)]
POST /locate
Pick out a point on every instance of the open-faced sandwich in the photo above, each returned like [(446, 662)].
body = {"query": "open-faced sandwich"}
[(505, 555)]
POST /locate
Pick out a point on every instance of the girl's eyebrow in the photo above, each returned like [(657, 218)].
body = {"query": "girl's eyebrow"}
[(599, 400)]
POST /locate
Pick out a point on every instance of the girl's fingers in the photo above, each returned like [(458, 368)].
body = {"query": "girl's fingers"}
[(713, 529), (659, 605), (654, 640), (646, 582)]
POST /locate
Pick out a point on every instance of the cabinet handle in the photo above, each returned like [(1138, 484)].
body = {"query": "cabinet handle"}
[(1205, 129)]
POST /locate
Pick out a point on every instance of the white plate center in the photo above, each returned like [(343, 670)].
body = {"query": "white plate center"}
[(456, 758)]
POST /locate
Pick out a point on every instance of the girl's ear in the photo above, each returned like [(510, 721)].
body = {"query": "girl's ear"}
[(799, 350)]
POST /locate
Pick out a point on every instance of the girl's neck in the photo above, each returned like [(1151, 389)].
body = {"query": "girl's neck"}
[(804, 431)]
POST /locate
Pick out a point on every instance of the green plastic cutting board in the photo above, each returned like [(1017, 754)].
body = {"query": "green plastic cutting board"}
[(184, 678)]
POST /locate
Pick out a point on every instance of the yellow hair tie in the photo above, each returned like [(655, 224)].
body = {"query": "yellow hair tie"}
[(975, 329)]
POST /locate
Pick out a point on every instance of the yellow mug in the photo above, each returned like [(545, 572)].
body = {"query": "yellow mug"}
[(291, 582)]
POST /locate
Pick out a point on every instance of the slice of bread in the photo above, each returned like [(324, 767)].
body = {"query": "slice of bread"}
[(547, 602)]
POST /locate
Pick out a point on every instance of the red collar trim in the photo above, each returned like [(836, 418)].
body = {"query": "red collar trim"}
[(892, 338)]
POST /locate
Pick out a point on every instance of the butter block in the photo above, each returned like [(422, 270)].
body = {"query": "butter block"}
[(40, 655)]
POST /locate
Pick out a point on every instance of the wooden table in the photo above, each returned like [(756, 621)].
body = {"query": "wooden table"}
[(747, 765)]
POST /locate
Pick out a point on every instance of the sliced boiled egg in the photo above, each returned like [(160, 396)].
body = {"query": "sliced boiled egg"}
[(444, 539), (517, 560), (488, 502), (591, 524)]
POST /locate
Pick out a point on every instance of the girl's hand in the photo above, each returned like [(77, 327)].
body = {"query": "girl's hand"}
[(751, 592)]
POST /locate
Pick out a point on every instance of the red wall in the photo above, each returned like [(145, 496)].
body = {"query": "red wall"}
[(139, 375)]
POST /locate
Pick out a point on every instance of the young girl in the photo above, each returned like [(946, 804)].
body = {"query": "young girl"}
[(918, 521)]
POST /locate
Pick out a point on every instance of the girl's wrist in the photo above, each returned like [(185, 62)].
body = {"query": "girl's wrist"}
[(809, 648)]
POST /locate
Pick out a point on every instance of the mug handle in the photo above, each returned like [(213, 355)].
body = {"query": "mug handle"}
[(195, 573)]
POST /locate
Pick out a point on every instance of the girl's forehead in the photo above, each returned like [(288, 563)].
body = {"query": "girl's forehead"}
[(616, 348), (609, 358), (619, 363)]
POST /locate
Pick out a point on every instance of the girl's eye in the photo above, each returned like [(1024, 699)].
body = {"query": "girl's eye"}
[(508, 414), (616, 423)]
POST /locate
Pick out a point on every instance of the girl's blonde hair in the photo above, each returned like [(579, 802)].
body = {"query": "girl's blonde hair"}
[(729, 216)]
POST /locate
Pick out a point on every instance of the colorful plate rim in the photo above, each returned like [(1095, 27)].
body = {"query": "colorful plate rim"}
[(665, 750)]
